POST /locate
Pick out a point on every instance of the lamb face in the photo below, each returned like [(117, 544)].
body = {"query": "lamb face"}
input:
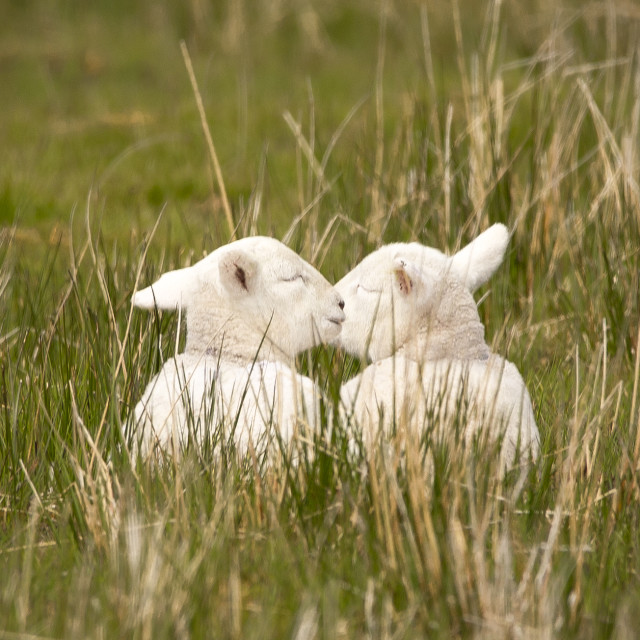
[(248, 290), (281, 292), (384, 297), (402, 289)]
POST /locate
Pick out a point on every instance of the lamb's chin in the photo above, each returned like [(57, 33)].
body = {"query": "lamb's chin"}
[(347, 341), (330, 331)]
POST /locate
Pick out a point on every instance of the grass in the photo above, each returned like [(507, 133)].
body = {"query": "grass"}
[(338, 128)]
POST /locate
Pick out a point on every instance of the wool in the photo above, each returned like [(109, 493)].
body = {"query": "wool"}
[(411, 311), (250, 307)]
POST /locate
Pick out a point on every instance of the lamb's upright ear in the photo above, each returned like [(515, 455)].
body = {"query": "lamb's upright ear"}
[(238, 272), (172, 291), (478, 261)]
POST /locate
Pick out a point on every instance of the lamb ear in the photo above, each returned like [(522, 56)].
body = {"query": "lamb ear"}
[(172, 291), (237, 272), (478, 261), (406, 276)]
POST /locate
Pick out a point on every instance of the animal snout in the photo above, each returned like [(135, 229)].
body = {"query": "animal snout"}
[(338, 317)]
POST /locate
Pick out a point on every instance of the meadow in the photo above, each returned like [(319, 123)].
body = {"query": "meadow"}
[(336, 127)]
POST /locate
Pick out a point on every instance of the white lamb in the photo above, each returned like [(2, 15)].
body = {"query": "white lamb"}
[(410, 310), (251, 306)]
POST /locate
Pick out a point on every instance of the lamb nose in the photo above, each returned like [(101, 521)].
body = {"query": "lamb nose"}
[(341, 304)]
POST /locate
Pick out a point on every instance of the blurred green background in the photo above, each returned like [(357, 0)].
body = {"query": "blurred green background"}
[(96, 98)]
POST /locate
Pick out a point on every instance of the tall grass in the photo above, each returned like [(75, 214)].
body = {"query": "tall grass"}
[(537, 128)]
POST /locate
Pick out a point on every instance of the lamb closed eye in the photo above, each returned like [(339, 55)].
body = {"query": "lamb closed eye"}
[(364, 289), (298, 276)]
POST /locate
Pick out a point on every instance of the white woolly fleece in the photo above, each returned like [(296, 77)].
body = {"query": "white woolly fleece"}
[(251, 301), (410, 309), (256, 407)]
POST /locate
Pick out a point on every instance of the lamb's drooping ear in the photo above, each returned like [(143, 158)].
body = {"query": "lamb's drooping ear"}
[(408, 278), (172, 291), (401, 277), (478, 261), (412, 281), (237, 272)]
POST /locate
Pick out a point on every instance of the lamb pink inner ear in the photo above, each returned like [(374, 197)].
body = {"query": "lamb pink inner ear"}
[(237, 272), (404, 282)]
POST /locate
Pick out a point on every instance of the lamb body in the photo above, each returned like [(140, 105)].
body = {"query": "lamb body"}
[(195, 396), (410, 309), (488, 397), (251, 306)]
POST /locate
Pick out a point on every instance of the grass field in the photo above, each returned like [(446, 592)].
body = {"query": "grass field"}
[(337, 126)]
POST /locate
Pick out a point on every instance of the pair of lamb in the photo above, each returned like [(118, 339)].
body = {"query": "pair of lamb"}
[(254, 304)]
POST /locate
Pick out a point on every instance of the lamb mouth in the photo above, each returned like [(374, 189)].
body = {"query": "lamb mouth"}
[(337, 318)]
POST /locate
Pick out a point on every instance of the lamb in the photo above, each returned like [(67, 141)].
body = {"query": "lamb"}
[(410, 310), (251, 306)]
